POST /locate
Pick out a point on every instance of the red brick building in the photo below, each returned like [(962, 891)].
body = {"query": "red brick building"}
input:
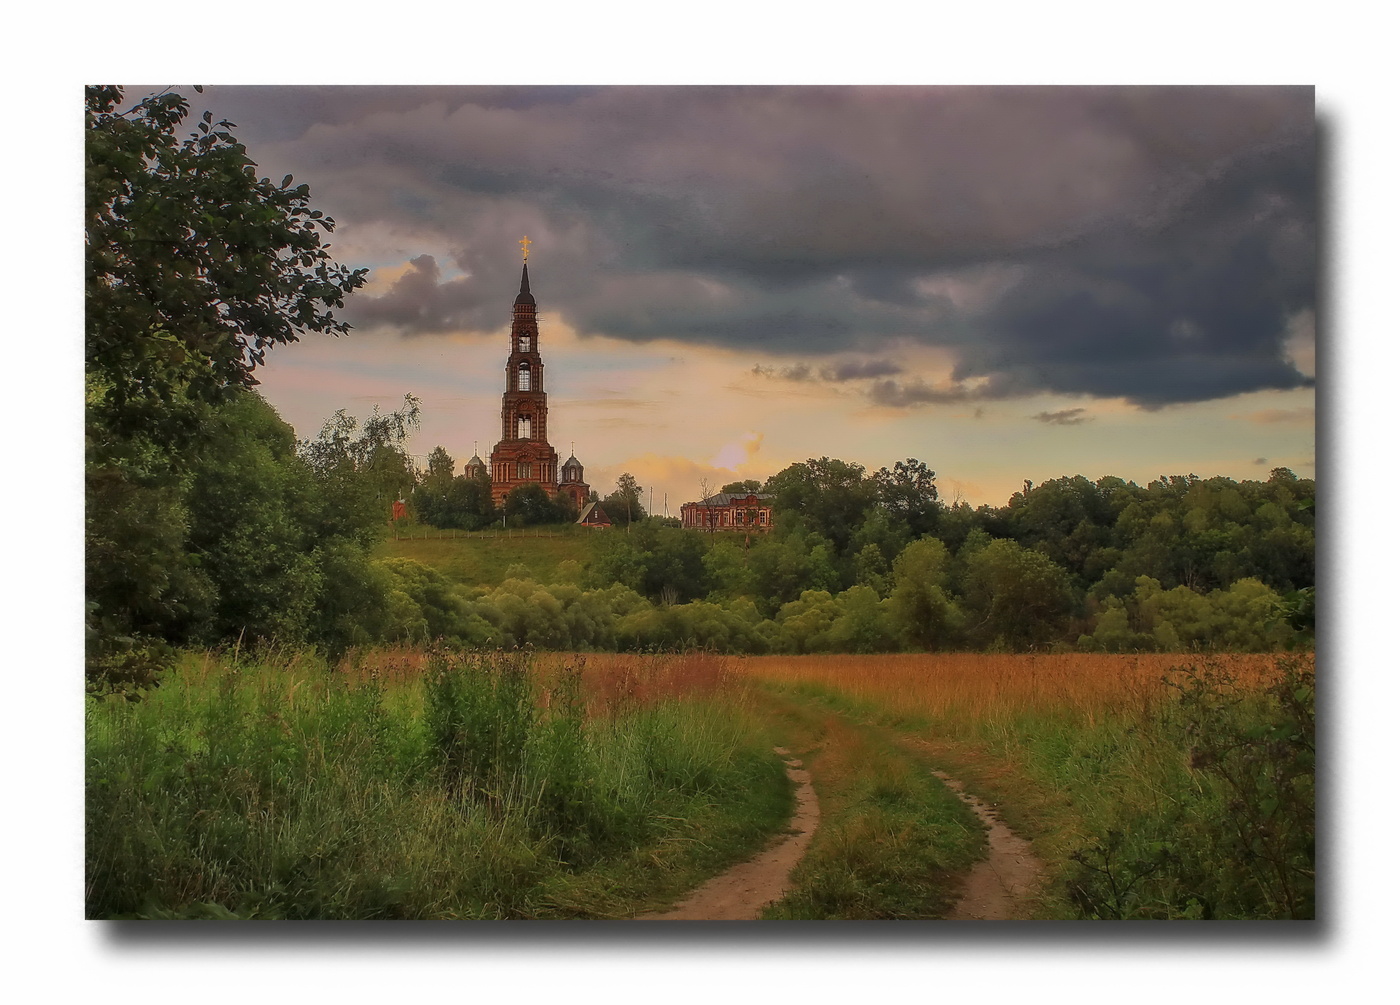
[(747, 511), (524, 456)]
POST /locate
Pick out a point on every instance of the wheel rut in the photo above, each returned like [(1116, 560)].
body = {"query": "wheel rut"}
[(742, 892), (999, 887)]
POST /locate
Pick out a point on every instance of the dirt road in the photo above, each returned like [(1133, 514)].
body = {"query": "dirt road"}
[(742, 892), (999, 887)]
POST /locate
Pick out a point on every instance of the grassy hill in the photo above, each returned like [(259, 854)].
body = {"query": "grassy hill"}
[(483, 559)]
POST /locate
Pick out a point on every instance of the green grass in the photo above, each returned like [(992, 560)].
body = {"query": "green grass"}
[(486, 558), (893, 842), (276, 789)]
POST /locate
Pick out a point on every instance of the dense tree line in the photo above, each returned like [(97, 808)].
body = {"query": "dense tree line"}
[(875, 562)]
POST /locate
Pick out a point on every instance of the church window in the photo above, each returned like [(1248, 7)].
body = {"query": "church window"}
[(522, 469), (523, 382), (522, 427), (524, 343)]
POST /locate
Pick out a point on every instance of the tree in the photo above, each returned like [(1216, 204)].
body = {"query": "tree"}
[(1015, 597), (624, 504), (364, 469), (195, 266), (919, 604), (832, 497), (530, 505), (910, 494), (441, 467)]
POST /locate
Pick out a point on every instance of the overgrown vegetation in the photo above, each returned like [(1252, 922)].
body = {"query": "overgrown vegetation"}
[(1236, 837), (474, 786), (1151, 790)]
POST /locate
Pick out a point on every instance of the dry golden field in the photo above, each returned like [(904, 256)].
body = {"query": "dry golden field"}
[(991, 686), (965, 686)]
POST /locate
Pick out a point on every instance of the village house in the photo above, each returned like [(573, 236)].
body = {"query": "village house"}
[(742, 511)]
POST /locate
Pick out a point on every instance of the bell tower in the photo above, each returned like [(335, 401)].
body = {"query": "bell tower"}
[(524, 456)]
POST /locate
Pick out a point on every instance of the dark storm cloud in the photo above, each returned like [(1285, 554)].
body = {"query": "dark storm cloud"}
[(860, 369), (839, 373), (1158, 239), (419, 302), (1064, 417), (912, 393)]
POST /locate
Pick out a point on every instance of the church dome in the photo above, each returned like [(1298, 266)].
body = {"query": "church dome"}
[(572, 470)]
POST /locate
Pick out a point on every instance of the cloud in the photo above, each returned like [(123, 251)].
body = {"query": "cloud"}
[(1272, 416), (1064, 417), (418, 303), (1260, 461), (860, 369), (835, 373), (1152, 244), (915, 392)]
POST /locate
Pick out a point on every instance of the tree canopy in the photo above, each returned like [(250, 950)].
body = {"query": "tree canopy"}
[(195, 265)]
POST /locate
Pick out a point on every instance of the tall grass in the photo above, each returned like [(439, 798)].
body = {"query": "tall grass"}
[(1157, 786), (417, 785)]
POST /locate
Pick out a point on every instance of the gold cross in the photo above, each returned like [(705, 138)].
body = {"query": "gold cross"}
[(525, 243)]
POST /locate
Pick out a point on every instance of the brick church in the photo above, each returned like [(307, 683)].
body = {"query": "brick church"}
[(524, 456)]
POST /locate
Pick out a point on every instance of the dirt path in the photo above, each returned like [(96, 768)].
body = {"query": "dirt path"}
[(742, 892), (998, 888)]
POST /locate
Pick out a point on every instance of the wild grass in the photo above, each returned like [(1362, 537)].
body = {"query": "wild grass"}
[(893, 841), (1155, 786), (488, 558), (419, 785)]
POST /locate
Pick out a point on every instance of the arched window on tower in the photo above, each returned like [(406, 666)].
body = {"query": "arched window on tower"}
[(522, 382), (522, 427)]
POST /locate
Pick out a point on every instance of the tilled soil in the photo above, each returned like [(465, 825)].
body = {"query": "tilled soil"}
[(741, 893)]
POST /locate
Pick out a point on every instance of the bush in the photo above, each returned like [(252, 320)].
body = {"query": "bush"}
[(1238, 839)]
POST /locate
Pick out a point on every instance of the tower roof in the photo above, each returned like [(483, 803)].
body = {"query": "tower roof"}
[(525, 295), (573, 462)]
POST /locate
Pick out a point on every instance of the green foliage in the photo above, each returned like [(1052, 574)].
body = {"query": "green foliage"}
[(200, 522), (624, 504), (1247, 617), (909, 494), (1238, 837), (830, 496), (362, 470), (462, 503), (195, 266), (1014, 597), (530, 506), (997, 592), (281, 790), (920, 608)]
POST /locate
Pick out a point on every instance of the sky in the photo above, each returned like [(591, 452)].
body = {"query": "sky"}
[(1006, 283)]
